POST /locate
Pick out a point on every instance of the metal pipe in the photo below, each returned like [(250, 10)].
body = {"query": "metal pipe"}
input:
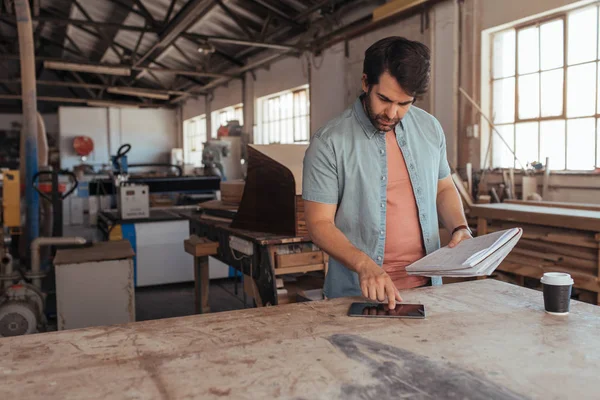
[(36, 275), (29, 136), (7, 270)]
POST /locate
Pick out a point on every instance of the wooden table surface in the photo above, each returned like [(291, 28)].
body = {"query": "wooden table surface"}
[(480, 340)]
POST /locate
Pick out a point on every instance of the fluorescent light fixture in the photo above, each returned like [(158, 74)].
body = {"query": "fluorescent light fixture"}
[(95, 69), (138, 93)]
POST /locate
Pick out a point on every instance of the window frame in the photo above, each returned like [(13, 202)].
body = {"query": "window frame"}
[(558, 16), (198, 121), (263, 136)]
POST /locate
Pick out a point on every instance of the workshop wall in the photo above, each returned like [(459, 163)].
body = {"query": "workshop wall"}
[(152, 133)]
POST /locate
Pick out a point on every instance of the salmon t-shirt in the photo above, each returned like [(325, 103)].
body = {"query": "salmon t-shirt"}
[(403, 239)]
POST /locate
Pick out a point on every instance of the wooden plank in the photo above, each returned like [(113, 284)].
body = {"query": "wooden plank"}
[(565, 250), (200, 246), (557, 204), (470, 178), (201, 285), (313, 350), (550, 237), (301, 269), (513, 192), (232, 191), (582, 281), (298, 259), (482, 226), (558, 217), (546, 180), (395, 7), (464, 193), (528, 187)]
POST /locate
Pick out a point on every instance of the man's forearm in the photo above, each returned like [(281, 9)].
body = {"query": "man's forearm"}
[(450, 208), (331, 240)]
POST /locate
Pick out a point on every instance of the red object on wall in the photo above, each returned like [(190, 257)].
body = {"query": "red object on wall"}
[(83, 145)]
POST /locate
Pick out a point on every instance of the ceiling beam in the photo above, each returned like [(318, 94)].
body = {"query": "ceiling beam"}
[(99, 87), (89, 102), (187, 16), (147, 15), (169, 12), (268, 6), (107, 40), (242, 42), (95, 24), (235, 19)]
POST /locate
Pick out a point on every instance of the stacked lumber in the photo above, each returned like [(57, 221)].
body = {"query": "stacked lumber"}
[(301, 229), (232, 191), (546, 249)]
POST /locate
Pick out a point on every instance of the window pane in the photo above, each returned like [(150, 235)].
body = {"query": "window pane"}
[(502, 157), (552, 143), (583, 36), (581, 143), (526, 142), (529, 96), (552, 93), (504, 54), (504, 100), (529, 50), (581, 90), (551, 43)]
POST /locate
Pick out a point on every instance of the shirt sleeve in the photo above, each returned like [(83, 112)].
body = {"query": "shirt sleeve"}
[(444, 168), (319, 174)]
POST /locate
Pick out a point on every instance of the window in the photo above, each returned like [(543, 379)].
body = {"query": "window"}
[(284, 117), (224, 115), (545, 92), (194, 137)]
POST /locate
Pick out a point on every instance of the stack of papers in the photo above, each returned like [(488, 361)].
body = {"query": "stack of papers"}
[(479, 256)]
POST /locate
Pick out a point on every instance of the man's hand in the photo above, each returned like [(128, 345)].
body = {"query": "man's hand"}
[(377, 285), (458, 237)]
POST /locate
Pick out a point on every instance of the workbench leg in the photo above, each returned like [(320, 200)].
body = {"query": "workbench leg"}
[(482, 226), (201, 283)]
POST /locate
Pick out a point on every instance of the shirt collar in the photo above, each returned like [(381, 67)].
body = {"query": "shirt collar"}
[(364, 121)]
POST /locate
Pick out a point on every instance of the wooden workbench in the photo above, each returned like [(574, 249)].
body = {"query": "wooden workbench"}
[(549, 230), (480, 340), (265, 263)]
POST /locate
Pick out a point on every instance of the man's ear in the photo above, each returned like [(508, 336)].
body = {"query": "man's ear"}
[(365, 85)]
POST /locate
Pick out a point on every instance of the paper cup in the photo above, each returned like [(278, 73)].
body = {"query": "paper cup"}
[(557, 292)]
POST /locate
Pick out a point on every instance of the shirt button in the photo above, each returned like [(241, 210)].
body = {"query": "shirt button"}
[(382, 205), (379, 258), (382, 152), (382, 232), (383, 178)]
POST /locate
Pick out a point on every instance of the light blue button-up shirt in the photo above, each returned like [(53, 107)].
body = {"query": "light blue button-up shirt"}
[(346, 164)]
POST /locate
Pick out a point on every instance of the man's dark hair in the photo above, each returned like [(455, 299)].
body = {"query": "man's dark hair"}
[(407, 61)]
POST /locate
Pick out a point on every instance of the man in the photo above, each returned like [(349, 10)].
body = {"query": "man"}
[(376, 178)]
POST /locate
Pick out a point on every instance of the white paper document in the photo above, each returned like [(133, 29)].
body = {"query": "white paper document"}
[(479, 256)]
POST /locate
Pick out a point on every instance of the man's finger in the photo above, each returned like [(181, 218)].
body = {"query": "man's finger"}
[(398, 296), (365, 291), (390, 289), (380, 293), (453, 243), (372, 293)]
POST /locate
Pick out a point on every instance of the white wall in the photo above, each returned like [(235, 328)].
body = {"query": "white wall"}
[(495, 13), (152, 133), (328, 92)]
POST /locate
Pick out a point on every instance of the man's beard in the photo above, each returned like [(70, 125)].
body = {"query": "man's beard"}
[(379, 121)]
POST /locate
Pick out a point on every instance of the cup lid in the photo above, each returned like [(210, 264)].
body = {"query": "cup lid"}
[(557, 278)]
